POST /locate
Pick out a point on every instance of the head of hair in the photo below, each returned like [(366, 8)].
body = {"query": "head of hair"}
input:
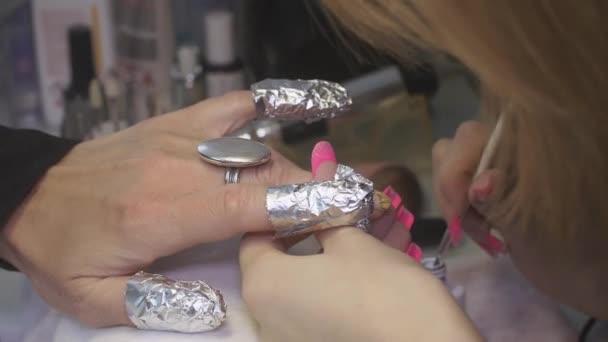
[(543, 66)]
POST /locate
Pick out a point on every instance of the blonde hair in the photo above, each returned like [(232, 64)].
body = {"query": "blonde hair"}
[(546, 59)]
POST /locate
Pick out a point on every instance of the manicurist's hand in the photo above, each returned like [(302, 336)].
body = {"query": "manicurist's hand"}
[(455, 163), (114, 205), (358, 289)]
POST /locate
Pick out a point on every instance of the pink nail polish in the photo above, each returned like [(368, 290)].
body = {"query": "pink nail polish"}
[(405, 217), (482, 189), (414, 251), (322, 152), (455, 230), (394, 196), (492, 245)]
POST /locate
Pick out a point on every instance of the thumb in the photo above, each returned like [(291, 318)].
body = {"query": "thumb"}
[(102, 301)]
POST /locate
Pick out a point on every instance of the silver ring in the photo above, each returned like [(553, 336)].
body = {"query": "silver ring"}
[(232, 175)]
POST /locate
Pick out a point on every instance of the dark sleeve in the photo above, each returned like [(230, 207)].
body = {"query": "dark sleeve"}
[(25, 156)]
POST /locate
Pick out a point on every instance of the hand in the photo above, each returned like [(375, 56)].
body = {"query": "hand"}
[(358, 289), (113, 206), (455, 162)]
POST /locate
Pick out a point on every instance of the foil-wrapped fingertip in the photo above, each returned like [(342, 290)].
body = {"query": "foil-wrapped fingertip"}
[(155, 302), (300, 100), (298, 209)]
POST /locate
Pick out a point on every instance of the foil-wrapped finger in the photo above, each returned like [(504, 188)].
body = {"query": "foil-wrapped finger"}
[(154, 302), (300, 100), (296, 209)]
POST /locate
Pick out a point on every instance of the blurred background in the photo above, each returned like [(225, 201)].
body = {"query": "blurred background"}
[(83, 69)]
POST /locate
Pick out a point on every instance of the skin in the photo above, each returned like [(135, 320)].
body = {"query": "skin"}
[(539, 255), (113, 206), (358, 289)]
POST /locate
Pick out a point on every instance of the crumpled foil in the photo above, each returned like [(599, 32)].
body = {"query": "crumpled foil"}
[(155, 302), (304, 208), (300, 100)]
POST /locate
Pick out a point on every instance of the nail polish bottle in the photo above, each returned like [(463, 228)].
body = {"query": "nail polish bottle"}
[(438, 268)]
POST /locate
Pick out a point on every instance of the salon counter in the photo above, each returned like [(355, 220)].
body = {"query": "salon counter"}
[(497, 299)]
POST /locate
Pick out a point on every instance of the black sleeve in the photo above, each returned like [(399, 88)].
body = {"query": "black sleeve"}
[(25, 156)]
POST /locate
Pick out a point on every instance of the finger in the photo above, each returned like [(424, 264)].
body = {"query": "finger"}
[(440, 151), (220, 214), (324, 165), (381, 227), (398, 237), (484, 189), (258, 247), (219, 116), (103, 302), (453, 174), (279, 170)]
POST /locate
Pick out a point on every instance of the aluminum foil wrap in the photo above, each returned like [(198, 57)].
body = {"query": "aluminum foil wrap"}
[(300, 100), (304, 208), (155, 302)]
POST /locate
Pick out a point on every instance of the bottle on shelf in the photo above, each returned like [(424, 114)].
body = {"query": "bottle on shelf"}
[(78, 121), (186, 77), (223, 70)]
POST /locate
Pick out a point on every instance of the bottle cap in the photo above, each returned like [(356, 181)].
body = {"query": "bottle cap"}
[(187, 59), (219, 35)]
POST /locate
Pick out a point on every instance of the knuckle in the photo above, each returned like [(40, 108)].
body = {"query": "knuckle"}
[(439, 149), (445, 182), (469, 129), (269, 173), (165, 143), (132, 212), (157, 164), (234, 199), (279, 171), (452, 187)]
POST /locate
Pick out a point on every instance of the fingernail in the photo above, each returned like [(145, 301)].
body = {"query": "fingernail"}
[(482, 188), (405, 217), (493, 245), (381, 205), (322, 152), (383, 201), (414, 251), (394, 196), (455, 230)]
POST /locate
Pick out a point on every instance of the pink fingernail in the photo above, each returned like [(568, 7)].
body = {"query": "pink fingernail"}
[(406, 217), (394, 196), (493, 245), (482, 189), (455, 230), (414, 251), (322, 152)]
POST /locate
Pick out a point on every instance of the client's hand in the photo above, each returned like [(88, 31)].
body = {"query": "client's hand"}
[(358, 289), (113, 206)]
